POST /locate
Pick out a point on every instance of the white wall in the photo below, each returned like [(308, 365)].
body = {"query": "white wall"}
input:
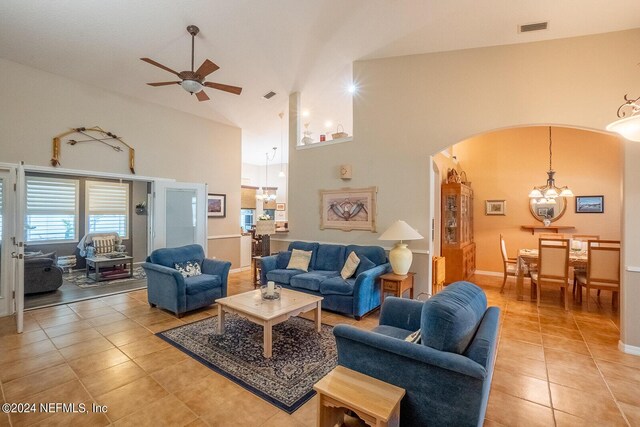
[(168, 143), (411, 107)]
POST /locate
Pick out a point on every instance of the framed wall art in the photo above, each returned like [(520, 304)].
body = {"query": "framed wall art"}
[(495, 207), (348, 209), (281, 206), (217, 205), (589, 204)]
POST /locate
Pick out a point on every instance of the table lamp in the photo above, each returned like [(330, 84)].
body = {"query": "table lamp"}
[(400, 256)]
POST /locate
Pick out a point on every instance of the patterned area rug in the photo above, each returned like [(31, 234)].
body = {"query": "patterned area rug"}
[(301, 356), (79, 279)]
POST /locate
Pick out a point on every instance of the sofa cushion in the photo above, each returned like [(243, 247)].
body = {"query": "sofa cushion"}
[(350, 266), (329, 257), (337, 286), (282, 259), (306, 246), (169, 256), (201, 283), (299, 260), (311, 281), (365, 264), (281, 275), (375, 253), (104, 245), (450, 318)]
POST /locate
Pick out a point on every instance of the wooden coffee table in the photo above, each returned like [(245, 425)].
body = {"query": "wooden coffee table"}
[(268, 313)]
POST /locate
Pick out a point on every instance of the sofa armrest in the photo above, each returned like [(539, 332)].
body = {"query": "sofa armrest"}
[(483, 347), (267, 263), (165, 274), (378, 344), (219, 267), (401, 313), (366, 296)]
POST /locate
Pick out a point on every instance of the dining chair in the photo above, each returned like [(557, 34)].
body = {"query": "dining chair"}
[(603, 269), (508, 264), (582, 269), (552, 236), (553, 267)]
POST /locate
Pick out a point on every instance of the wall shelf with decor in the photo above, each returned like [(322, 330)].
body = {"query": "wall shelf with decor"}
[(317, 144), (548, 229)]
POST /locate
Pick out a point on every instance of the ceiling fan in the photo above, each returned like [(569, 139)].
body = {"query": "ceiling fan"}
[(193, 81)]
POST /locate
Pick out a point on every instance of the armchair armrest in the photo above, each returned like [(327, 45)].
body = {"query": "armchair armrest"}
[(401, 313), (377, 345), (219, 267), (165, 287)]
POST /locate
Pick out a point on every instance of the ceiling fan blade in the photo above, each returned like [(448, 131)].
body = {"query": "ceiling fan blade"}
[(163, 83), (227, 88), (152, 62), (202, 96), (206, 68)]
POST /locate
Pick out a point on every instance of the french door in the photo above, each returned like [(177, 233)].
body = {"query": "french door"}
[(179, 212)]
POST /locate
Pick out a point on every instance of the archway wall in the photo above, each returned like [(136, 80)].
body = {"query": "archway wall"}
[(506, 164), (409, 108)]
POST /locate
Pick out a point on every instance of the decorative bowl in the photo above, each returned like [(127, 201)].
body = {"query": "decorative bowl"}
[(264, 292)]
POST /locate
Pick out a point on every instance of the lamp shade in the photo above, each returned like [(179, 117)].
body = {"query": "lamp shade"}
[(628, 127), (400, 256), (400, 230), (265, 227)]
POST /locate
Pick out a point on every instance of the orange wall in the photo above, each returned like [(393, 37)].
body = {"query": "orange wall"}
[(508, 163)]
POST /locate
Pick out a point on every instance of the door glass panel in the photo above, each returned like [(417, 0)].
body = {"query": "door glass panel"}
[(180, 217)]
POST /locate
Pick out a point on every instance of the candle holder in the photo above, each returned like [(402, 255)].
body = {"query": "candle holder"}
[(275, 294)]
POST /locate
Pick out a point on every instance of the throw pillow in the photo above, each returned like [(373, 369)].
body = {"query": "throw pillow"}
[(103, 245), (299, 260), (365, 264), (414, 337), (350, 266), (188, 268)]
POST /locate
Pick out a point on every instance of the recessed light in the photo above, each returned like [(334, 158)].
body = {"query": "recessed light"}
[(305, 113), (352, 88), (328, 124)]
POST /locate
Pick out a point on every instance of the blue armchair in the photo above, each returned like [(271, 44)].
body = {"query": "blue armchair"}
[(447, 377), (168, 289)]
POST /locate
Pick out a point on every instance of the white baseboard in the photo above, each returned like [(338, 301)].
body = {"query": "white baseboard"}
[(629, 349), (239, 270), (489, 273)]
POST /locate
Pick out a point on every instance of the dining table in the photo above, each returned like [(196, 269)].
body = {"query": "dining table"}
[(529, 257)]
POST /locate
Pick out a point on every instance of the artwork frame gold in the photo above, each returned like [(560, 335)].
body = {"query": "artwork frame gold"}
[(495, 207), (349, 209)]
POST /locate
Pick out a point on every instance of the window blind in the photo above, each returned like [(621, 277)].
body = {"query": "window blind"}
[(107, 207), (52, 209)]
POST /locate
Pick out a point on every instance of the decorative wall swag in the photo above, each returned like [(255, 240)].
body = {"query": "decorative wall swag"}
[(104, 136)]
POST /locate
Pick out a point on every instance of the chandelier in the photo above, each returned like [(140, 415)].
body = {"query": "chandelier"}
[(263, 192), (548, 193), (629, 123)]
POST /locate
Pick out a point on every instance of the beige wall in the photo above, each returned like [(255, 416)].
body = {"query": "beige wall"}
[(412, 107), (225, 248), (168, 143), (505, 165)]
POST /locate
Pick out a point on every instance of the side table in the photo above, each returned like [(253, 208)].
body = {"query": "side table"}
[(256, 267), (377, 403), (397, 284)]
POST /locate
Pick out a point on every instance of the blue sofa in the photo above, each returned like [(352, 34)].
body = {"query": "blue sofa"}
[(447, 376), (355, 296), (168, 289)]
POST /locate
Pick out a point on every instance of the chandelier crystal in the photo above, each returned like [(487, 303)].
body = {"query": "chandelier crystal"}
[(548, 193)]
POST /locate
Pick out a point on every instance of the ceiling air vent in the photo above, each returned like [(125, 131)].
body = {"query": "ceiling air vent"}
[(269, 95), (538, 26)]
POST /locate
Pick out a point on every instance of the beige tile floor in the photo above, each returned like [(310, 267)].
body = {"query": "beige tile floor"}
[(553, 367)]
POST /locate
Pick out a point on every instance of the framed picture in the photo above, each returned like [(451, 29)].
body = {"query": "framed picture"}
[(217, 205), (348, 209), (495, 207), (589, 204), (281, 206)]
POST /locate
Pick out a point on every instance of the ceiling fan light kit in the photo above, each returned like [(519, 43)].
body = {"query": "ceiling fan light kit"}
[(194, 81)]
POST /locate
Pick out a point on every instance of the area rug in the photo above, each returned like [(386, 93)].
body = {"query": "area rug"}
[(80, 279), (301, 356)]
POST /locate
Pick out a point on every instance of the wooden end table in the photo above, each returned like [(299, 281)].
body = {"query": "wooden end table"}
[(397, 284), (256, 268), (269, 313), (377, 403)]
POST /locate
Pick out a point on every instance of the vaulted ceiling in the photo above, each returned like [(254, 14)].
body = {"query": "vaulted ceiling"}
[(276, 45)]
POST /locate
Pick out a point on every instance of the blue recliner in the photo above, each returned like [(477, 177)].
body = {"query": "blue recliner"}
[(168, 289), (447, 376)]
